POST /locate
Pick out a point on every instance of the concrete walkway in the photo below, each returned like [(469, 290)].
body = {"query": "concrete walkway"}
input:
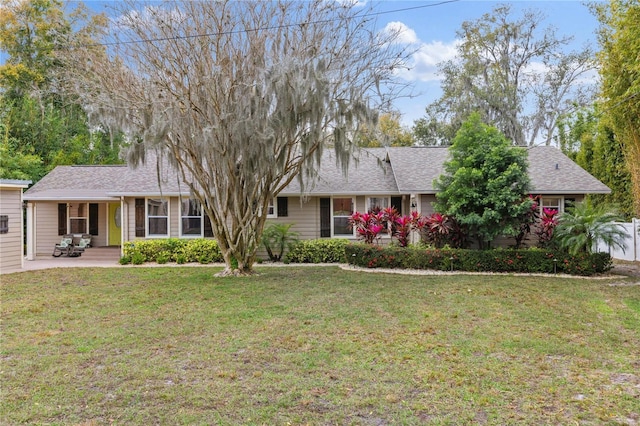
[(95, 257)]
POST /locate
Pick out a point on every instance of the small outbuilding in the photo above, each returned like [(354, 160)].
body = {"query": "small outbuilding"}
[(11, 224)]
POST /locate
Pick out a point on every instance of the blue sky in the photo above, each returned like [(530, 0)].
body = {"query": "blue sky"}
[(434, 29)]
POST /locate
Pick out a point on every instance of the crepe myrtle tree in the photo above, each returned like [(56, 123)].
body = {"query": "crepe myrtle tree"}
[(240, 97)]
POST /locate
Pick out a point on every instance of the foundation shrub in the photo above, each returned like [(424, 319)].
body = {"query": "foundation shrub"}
[(317, 251), (515, 261), (174, 250), (202, 250)]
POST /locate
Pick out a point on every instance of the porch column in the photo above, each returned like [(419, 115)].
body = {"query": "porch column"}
[(414, 204), (124, 222), (31, 235)]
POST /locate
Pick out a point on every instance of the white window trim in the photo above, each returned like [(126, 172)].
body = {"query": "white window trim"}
[(147, 217), (201, 235), (353, 232), (385, 234), (86, 218), (273, 204), (561, 203), (368, 201)]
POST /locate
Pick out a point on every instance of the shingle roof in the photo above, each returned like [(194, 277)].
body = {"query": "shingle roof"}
[(408, 170), (371, 174), (417, 167), (552, 172), (103, 183)]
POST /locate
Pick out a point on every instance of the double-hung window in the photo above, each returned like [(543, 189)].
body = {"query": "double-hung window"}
[(341, 209), (278, 207), (157, 217), (191, 218), (377, 204), (271, 210), (551, 203), (78, 219)]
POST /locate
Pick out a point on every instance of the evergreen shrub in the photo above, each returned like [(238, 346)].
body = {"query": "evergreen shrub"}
[(317, 251), (499, 260), (174, 250)]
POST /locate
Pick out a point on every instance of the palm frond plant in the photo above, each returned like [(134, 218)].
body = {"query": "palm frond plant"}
[(278, 237), (585, 225)]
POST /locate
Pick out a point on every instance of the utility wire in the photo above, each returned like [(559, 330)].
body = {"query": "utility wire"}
[(249, 30)]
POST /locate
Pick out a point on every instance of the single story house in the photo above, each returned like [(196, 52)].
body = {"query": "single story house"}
[(116, 204), (11, 224)]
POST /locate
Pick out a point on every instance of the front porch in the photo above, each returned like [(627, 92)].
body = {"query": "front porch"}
[(92, 257)]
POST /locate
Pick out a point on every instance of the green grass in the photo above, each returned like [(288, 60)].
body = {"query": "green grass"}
[(315, 345)]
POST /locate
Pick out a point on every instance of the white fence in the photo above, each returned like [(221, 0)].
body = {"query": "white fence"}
[(632, 250)]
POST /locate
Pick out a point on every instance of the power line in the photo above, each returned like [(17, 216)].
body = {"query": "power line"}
[(249, 30)]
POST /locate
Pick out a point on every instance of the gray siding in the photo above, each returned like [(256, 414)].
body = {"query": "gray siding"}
[(11, 252)]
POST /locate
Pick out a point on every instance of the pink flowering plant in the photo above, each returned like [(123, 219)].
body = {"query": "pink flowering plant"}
[(370, 226), (441, 229), (546, 224)]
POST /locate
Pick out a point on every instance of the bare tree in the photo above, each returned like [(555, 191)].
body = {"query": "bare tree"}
[(240, 96), (516, 74)]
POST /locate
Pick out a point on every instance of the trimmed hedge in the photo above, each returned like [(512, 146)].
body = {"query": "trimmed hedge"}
[(318, 251), (526, 261), (172, 250)]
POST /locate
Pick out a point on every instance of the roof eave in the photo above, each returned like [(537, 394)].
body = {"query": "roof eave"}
[(63, 198), (148, 194), (569, 192)]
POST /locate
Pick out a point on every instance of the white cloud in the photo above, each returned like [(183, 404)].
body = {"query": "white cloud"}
[(423, 65), (405, 35)]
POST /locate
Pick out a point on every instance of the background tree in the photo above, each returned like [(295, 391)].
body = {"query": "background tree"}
[(38, 119), (15, 164), (485, 184), (241, 97), (619, 38), (388, 132), (494, 74), (588, 138)]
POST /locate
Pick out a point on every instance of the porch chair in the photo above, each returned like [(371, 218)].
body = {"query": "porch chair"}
[(87, 238), (63, 248), (77, 249)]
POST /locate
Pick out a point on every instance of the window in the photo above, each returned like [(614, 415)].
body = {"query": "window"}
[(342, 208), (157, 217), (4, 224), (280, 208), (191, 218), (271, 210), (78, 218), (553, 203), (377, 204)]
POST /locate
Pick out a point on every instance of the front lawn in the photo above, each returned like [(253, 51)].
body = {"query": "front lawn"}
[(316, 345)]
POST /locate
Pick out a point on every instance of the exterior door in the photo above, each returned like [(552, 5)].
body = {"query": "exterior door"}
[(115, 222)]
